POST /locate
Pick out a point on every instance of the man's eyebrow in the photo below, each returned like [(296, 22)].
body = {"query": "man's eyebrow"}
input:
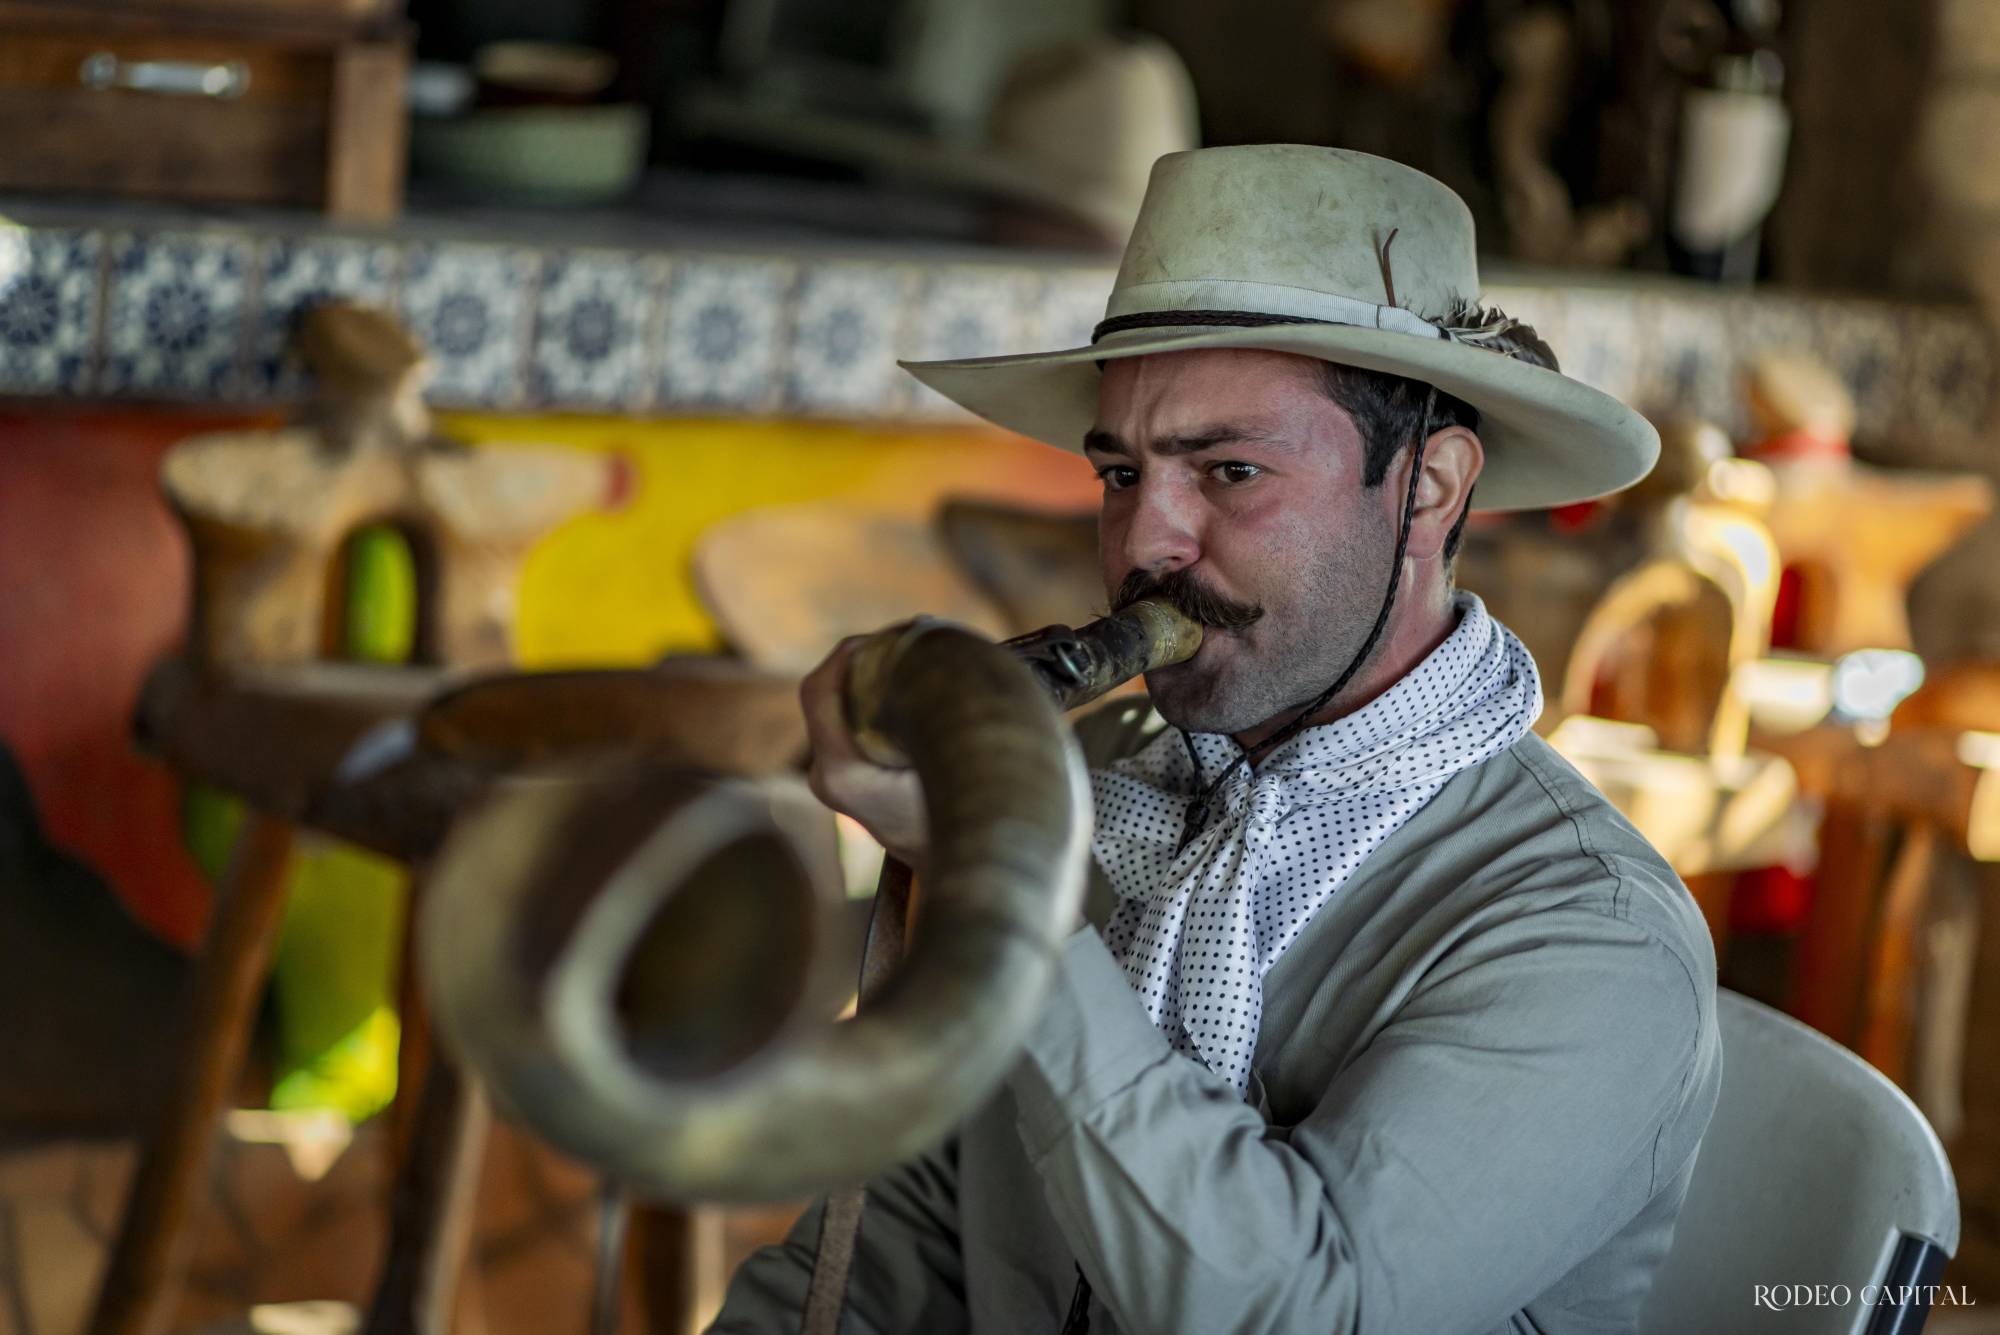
[(1187, 442)]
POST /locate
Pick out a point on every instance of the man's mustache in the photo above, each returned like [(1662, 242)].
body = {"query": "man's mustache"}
[(1188, 596)]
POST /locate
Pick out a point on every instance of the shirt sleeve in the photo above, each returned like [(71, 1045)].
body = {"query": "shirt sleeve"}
[(907, 1278), (1496, 1132)]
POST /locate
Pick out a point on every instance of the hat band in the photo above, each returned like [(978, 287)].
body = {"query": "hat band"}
[(1244, 302), (1118, 324)]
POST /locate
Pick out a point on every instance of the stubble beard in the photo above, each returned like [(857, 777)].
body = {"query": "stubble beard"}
[(1283, 661)]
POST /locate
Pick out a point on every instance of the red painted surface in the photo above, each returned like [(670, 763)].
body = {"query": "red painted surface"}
[(1771, 899), (93, 590)]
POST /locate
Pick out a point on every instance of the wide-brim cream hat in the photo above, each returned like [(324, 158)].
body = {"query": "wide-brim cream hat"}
[(1076, 128), (1331, 254)]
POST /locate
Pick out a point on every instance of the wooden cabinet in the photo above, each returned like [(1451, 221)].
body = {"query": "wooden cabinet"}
[(285, 102)]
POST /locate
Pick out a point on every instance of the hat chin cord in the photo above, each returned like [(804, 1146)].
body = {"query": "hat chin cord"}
[(1199, 810), (1077, 1320)]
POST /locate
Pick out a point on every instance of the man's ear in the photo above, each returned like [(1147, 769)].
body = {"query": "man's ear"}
[(1453, 458)]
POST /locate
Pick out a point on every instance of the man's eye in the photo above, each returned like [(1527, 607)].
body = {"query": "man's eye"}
[(1234, 473), (1117, 477)]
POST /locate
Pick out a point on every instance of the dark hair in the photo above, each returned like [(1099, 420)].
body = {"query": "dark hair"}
[(1388, 410)]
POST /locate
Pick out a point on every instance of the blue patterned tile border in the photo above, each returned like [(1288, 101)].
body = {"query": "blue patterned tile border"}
[(204, 315), (847, 319), (296, 274), (472, 306), (1687, 368), (48, 310), (1868, 349), (1950, 381), (966, 311), (594, 321), (175, 316), (1596, 339), (1923, 375), (725, 334)]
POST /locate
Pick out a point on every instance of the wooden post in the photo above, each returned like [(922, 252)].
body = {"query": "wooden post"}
[(143, 1274), (415, 1048), (1828, 978), (679, 1250), (367, 131), (437, 1190), (438, 1130), (1888, 1009)]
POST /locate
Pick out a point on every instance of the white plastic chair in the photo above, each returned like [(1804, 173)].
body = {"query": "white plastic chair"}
[(1816, 1170)]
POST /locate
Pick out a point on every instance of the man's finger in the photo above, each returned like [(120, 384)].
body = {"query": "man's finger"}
[(820, 697)]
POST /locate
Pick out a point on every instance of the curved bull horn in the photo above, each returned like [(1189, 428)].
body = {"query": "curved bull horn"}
[(638, 971)]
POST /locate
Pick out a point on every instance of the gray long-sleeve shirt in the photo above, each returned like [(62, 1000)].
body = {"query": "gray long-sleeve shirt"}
[(1482, 1074)]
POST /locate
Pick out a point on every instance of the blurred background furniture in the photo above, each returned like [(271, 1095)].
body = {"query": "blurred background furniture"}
[(1895, 806), (272, 516), (787, 583), (298, 102), (1641, 628)]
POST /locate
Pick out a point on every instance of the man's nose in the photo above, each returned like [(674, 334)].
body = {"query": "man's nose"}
[(1162, 533)]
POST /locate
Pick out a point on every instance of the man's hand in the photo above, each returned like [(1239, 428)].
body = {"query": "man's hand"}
[(887, 802)]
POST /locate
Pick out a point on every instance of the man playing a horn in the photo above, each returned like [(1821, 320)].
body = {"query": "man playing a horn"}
[(1382, 1018)]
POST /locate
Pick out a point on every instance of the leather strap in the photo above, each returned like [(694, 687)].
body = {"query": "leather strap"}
[(839, 1226), (840, 1222)]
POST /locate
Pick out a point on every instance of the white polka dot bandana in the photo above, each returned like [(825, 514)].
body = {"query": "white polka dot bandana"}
[(1196, 930)]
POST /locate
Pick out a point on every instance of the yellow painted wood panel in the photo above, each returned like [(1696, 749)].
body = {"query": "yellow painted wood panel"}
[(616, 587)]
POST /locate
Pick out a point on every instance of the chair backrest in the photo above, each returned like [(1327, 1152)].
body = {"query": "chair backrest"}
[(1815, 1171)]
